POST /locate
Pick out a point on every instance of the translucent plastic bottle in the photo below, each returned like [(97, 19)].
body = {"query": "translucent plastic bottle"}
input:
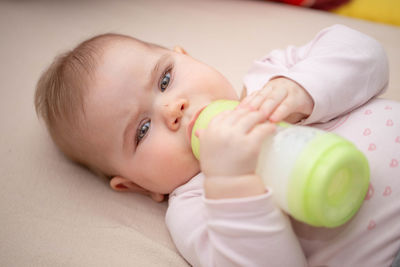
[(317, 177)]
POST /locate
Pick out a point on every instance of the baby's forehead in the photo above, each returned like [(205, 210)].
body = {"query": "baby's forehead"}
[(130, 51), (123, 59), (144, 46)]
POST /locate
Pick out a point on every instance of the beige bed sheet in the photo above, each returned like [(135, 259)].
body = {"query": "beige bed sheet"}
[(54, 213)]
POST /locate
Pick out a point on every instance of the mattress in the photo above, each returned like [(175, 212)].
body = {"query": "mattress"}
[(55, 213)]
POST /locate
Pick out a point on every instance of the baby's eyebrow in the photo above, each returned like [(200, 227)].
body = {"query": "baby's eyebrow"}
[(153, 74)]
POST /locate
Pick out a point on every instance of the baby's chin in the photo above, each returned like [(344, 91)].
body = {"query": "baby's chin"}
[(195, 170)]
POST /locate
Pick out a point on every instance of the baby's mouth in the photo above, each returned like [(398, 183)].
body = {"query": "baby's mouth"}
[(192, 122)]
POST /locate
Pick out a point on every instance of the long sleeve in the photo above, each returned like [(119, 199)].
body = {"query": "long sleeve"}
[(340, 68), (231, 232)]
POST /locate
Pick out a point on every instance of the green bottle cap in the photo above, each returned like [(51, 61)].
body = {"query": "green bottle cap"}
[(328, 182)]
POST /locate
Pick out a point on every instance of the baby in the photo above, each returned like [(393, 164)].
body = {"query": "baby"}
[(124, 109)]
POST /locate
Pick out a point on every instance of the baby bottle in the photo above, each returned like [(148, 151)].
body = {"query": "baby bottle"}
[(317, 177)]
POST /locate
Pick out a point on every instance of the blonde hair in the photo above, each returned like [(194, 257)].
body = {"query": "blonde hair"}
[(60, 92)]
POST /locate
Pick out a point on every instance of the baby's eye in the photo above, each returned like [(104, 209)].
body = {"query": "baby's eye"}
[(165, 81), (142, 131)]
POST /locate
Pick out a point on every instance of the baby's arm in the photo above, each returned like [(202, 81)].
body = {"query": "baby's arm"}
[(340, 69), (249, 231), (243, 224)]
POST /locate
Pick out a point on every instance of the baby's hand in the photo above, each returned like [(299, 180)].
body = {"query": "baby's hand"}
[(231, 144), (281, 99)]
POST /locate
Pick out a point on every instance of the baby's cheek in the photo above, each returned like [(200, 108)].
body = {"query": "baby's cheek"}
[(166, 153), (164, 148), (179, 160)]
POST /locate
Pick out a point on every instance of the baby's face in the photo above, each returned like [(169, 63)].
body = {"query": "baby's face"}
[(139, 108)]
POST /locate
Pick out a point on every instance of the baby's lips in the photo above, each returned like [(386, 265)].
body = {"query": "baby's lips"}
[(192, 122)]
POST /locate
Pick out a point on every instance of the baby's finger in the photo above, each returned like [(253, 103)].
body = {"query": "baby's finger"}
[(274, 99), (262, 130), (199, 132), (256, 100), (247, 122), (235, 115), (247, 99), (281, 112), (220, 117)]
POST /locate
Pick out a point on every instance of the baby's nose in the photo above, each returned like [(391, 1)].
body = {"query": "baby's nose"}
[(173, 113)]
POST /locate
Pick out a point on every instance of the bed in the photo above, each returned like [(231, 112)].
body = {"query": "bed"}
[(55, 213)]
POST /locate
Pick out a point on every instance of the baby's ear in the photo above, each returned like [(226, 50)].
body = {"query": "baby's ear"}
[(180, 50), (122, 184)]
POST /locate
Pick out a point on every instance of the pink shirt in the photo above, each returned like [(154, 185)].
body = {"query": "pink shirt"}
[(342, 70)]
